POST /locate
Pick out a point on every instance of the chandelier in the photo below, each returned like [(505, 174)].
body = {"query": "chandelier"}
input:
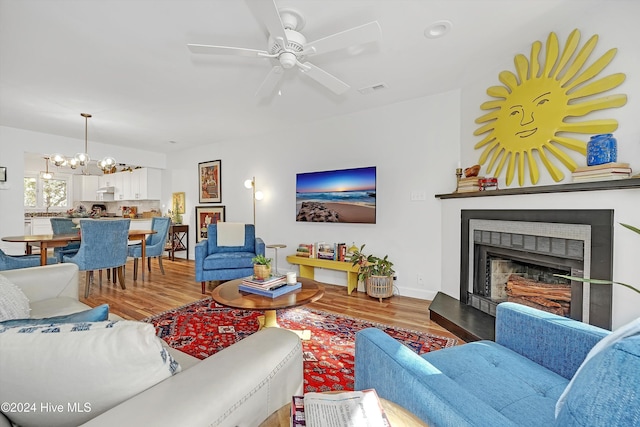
[(82, 159)]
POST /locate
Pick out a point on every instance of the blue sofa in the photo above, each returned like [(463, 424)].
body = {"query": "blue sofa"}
[(515, 381), (215, 262)]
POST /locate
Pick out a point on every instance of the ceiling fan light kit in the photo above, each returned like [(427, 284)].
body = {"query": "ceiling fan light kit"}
[(290, 48)]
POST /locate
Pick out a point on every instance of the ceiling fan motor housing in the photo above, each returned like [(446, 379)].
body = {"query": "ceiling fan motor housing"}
[(289, 55)]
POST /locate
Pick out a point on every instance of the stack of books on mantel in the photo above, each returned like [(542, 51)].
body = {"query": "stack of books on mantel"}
[(469, 185), (274, 286), (604, 172)]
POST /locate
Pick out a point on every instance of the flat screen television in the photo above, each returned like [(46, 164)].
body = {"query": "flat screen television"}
[(345, 195)]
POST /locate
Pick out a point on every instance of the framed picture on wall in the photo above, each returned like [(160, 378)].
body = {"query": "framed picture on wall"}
[(206, 215), (209, 175), (178, 202), (3, 174)]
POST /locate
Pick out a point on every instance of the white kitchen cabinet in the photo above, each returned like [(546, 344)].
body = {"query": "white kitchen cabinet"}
[(139, 184), (85, 188), (145, 184), (41, 226), (118, 184), (106, 180)]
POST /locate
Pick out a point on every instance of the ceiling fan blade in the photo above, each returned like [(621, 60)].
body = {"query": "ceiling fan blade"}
[(331, 82), (267, 11), (270, 82), (355, 36), (226, 50)]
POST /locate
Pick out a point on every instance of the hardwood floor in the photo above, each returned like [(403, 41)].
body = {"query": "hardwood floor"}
[(178, 287)]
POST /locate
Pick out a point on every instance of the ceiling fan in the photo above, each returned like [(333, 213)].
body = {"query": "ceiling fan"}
[(290, 48)]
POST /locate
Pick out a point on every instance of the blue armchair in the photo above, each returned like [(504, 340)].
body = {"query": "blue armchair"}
[(64, 226), (104, 245), (11, 262), (214, 262), (515, 381), (154, 245)]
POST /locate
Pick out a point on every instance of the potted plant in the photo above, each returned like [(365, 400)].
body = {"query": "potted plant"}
[(376, 273), (261, 267)]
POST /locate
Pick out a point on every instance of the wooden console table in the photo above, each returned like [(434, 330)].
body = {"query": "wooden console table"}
[(178, 240), (307, 266)]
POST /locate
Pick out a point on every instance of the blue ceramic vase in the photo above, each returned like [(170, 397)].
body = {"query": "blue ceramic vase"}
[(602, 149)]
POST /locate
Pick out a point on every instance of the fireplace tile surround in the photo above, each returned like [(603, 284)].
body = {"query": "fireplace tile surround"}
[(598, 255)]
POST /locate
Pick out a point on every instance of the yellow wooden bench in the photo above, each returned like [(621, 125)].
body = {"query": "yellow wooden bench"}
[(308, 265)]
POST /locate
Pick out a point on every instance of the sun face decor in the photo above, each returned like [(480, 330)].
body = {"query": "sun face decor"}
[(535, 109)]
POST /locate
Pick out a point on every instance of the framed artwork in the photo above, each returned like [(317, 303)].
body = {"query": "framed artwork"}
[(178, 202), (209, 179), (206, 215), (3, 174)]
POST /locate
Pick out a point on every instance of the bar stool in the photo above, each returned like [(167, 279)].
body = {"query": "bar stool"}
[(276, 246)]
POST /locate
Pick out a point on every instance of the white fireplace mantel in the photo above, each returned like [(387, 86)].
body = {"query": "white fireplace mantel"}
[(625, 202)]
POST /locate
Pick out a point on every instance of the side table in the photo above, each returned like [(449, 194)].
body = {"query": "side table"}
[(177, 240), (276, 246)]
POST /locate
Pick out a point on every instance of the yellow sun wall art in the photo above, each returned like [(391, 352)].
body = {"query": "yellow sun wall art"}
[(541, 104)]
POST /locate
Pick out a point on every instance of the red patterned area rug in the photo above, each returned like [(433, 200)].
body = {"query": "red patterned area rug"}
[(204, 328)]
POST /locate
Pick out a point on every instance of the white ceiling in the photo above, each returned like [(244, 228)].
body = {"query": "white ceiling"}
[(126, 62)]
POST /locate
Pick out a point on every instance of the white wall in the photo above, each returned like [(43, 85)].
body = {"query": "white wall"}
[(414, 146), (614, 27)]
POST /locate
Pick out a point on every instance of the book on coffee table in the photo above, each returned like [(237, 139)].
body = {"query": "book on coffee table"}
[(269, 283), (273, 292)]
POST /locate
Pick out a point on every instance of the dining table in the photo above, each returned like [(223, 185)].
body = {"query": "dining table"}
[(46, 241)]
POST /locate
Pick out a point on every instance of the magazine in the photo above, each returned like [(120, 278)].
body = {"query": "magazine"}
[(346, 409)]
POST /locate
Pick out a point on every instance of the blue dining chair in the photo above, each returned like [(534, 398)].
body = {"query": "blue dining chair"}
[(64, 226), (103, 245), (11, 262), (155, 244)]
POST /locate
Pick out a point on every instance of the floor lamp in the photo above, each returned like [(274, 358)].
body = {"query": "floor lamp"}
[(255, 195)]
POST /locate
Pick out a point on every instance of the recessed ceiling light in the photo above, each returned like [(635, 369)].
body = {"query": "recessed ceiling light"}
[(437, 29), (173, 142)]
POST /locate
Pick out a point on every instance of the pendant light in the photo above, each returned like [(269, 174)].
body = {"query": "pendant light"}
[(83, 158), (46, 175)]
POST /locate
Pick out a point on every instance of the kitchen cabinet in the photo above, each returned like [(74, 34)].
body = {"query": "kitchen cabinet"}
[(85, 188), (106, 180), (41, 226), (118, 185), (145, 184), (139, 184)]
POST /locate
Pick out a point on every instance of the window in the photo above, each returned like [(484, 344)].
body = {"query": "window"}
[(48, 194)]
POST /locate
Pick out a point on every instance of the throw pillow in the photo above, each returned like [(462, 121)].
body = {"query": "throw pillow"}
[(78, 370), (96, 314), (14, 304), (592, 362)]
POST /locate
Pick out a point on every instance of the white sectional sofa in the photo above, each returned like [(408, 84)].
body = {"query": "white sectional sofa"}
[(239, 386)]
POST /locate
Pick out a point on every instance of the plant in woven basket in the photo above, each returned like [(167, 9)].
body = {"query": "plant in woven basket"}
[(261, 267), (605, 282), (377, 273)]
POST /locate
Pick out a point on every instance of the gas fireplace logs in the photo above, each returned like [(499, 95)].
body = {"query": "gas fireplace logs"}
[(554, 298)]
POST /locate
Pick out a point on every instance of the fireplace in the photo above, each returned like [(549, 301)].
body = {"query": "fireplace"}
[(516, 254)]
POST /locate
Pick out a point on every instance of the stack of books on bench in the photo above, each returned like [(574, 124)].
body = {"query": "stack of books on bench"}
[(271, 287), (604, 172)]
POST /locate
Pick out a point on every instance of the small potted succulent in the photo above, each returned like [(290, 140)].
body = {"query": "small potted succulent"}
[(261, 267), (377, 273)]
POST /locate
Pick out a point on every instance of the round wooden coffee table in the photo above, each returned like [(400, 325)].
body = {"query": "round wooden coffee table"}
[(398, 416), (228, 295)]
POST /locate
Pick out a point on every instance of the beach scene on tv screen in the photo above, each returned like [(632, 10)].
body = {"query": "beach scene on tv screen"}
[(346, 195)]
